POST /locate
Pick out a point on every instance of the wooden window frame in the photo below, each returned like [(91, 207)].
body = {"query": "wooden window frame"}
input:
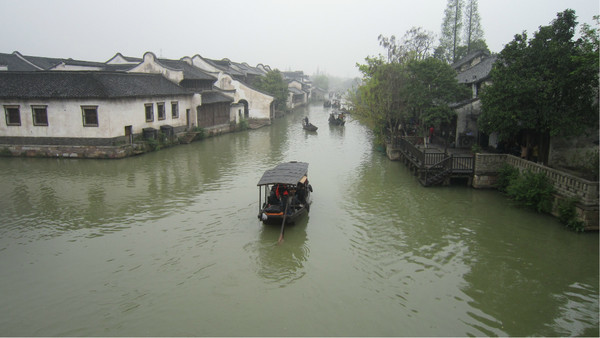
[(161, 111), (151, 111), (38, 109), (7, 115), (84, 116), (174, 109)]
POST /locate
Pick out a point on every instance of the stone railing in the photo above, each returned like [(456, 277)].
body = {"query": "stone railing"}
[(566, 185)]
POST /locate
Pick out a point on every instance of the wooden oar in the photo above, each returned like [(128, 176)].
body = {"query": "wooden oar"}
[(287, 203)]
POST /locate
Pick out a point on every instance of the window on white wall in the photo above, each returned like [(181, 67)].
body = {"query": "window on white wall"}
[(13, 115), (149, 112), (90, 116), (40, 115), (160, 107), (174, 109)]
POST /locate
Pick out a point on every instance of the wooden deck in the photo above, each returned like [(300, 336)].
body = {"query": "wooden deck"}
[(432, 165)]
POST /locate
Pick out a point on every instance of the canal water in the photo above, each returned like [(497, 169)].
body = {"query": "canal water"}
[(169, 243)]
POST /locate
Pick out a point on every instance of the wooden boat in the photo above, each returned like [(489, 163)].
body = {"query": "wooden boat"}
[(286, 190), (337, 119), (309, 126)]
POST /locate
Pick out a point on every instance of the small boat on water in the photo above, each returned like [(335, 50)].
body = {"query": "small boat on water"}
[(308, 126), (337, 119), (286, 193)]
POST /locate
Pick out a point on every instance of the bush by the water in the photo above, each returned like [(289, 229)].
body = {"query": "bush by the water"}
[(527, 188), (568, 215), (506, 174), (532, 190)]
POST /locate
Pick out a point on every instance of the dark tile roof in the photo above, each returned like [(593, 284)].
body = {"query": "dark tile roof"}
[(469, 57), (224, 65), (212, 96), (477, 73), (43, 62), (14, 63), (296, 91), (18, 62), (189, 72), (84, 84)]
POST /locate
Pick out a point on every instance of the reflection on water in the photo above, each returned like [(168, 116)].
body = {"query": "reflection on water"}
[(281, 264), (168, 243)]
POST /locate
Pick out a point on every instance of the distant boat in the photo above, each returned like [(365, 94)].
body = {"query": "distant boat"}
[(309, 126), (286, 190), (337, 119)]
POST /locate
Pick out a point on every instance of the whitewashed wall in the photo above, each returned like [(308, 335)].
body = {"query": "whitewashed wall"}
[(65, 117), (150, 65), (259, 104)]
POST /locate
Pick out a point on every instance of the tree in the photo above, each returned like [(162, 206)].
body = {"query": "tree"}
[(544, 86), (415, 44), (473, 30), (431, 90), (417, 91), (274, 84), (451, 28), (378, 102)]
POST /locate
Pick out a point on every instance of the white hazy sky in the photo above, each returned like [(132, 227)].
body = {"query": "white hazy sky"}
[(329, 36)]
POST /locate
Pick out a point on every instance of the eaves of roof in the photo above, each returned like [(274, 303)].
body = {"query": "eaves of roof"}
[(84, 84), (477, 73), (212, 96), (14, 63), (189, 72)]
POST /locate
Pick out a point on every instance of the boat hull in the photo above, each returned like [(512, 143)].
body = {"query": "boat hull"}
[(277, 218)]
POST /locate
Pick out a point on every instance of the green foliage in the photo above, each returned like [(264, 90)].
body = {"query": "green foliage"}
[(378, 102), (396, 93), (506, 175), (461, 23), (450, 37), (532, 190), (546, 84), (274, 84), (243, 125), (567, 214), (153, 144), (432, 87), (416, 44), (473, 30), (5, 152), (200, 133)]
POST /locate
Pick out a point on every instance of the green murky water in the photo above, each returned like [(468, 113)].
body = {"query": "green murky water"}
[(168, 243)]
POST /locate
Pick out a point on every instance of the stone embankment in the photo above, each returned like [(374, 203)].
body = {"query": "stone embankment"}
[(566, 185)]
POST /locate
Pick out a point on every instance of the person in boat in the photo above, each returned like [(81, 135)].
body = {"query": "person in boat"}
[(273, 197), (306, 120), (300, 196)]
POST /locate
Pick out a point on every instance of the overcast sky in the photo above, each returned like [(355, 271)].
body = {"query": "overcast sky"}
[(329, 36)]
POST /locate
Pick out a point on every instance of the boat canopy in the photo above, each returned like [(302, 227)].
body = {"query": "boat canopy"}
[(285, 173)]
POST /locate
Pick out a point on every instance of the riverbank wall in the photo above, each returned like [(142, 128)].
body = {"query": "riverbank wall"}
[(567, 186), (74, 148)]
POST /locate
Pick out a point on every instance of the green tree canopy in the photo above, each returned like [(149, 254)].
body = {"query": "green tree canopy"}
[(378, 102), (431, 90), (461, 31), (396, 93), (452, 24), (547, 85), (274, 84)]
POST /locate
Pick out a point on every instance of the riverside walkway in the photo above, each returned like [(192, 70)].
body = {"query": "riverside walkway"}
[(433, 164)]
